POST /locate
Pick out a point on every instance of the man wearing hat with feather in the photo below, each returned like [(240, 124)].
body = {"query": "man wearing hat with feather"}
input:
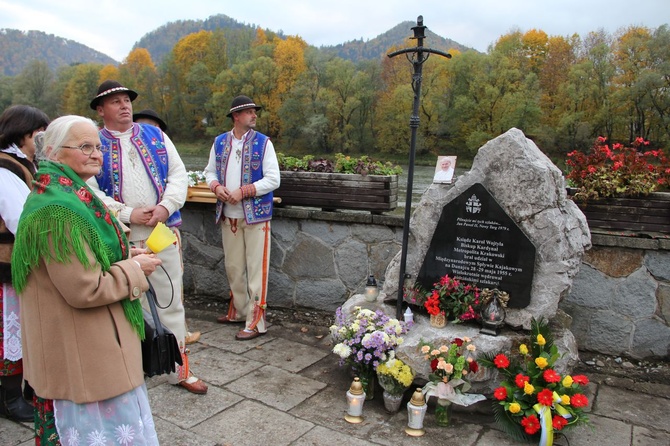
[(242, 172)]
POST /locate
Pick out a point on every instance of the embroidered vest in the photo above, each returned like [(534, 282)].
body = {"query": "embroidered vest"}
[(256, 209), (18, 167), (150, 145)]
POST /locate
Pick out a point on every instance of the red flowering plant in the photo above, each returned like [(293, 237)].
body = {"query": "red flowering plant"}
[(454, 298), (617, 171), (533, 399)]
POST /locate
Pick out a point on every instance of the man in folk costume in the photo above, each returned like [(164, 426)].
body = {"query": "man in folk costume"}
[(145, 181), (242, 172)]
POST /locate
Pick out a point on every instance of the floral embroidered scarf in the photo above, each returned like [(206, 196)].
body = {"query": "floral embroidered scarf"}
[(63, 209)]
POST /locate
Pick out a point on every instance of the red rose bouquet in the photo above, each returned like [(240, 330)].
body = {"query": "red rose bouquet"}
[(533, 400)]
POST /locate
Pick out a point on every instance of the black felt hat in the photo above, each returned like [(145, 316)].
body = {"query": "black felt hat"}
[(150, 114), (242, 103), (111, 87)]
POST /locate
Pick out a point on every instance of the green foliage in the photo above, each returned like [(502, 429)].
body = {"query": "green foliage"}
[(342, 164)]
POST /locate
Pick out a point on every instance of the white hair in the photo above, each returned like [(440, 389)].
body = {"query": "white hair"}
[(49, 142)]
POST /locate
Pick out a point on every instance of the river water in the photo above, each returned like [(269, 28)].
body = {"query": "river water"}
[(422, 179)]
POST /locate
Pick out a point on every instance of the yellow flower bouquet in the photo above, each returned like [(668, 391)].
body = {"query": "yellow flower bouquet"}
[(394, 375)]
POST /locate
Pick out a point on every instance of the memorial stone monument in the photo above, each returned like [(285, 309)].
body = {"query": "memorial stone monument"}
[(526, 197)]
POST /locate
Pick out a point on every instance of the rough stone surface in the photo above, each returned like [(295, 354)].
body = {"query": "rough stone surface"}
[(636, 296), (663, 295), (614, 262), (301, 261), (658, 264), (608, 332), (651, 338), (593, 289), (531, 189)]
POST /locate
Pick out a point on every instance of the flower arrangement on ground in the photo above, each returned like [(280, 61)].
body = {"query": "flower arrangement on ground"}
[(533, 400), (617, 170), (450, 365), (394, 375), (364, 340), (454, 298)]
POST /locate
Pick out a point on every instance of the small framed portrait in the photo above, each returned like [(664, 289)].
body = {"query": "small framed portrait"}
[(444, 169)]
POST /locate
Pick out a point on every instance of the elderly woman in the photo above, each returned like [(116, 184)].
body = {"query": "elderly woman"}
[(18, 126), (81, 316)]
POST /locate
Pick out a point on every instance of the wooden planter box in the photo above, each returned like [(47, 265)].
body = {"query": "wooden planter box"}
[(650, 213), (330, 191), (200, 193)]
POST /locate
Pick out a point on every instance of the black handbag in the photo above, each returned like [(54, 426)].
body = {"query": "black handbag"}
[(160, 350)]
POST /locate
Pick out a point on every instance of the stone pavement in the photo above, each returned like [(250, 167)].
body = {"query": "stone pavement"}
[(285, 388)]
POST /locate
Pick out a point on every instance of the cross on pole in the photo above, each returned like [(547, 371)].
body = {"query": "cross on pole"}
[(417, 56)]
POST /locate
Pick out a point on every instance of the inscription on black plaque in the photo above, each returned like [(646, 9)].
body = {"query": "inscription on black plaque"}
[(476, 241)]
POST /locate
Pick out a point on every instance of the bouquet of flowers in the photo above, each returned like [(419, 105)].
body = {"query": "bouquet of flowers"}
[(365, 340), (454, 298), (617, 170), (450, 365), (533, 400), (394, 375), (195, 177)]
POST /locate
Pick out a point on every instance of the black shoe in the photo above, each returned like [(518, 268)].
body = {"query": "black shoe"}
[(17, 409)]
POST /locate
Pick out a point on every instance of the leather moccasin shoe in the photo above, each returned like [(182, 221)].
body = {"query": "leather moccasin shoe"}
[(192, 338), (226, 320), (244, 335), (198, 386)]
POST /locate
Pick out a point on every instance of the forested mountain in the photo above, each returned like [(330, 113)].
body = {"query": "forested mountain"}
[(357, 50), (160, 41), (57, 51), (19, 48)]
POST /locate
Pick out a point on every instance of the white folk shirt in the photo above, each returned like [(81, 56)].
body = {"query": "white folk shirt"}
[(233, 178), (138, 189)]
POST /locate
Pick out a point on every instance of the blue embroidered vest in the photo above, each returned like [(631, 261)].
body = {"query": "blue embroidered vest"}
[(256, 209), (150, 145)]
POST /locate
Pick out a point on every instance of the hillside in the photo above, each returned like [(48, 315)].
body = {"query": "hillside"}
[(19, 48), (57, 51), (356, 50)]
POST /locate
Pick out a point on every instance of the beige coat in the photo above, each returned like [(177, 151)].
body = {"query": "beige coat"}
[(77, 343)]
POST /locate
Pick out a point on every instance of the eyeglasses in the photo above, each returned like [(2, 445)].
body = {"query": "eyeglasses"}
[(86, 149)]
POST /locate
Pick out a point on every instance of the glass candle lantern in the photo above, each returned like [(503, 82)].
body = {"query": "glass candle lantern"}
[(371, 289), (493, 318), (355, 400), (416, 411)]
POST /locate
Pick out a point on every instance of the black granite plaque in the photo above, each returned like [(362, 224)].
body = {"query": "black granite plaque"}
[(476, 241)]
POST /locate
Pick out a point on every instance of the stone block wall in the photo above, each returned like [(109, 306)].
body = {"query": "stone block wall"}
[(317, 260), (619, 302)]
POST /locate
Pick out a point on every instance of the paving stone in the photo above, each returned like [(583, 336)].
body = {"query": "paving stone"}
[(252, 423), (492, 437), (13, 433), (224, 338), (605, 431), (632, 407), (219, 367), (185, 409), (170, 434), (648, 437), (321, 436), (285, 354), (275, 387)]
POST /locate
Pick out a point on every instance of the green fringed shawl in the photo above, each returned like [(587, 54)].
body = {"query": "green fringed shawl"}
[(63, 209)]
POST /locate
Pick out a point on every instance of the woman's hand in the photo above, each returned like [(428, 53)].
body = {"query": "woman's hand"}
[(148, 262)]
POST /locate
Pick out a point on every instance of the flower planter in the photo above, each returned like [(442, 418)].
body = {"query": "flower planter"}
[(649, 213), (330, 191)]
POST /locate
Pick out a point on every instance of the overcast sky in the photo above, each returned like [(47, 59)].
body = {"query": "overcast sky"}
[(113, 26)]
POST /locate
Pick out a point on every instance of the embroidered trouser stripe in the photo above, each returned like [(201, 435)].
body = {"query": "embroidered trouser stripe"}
[(247, 261)]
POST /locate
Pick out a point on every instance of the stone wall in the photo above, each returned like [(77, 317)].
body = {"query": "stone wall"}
[(619, 302), (318, 259)]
